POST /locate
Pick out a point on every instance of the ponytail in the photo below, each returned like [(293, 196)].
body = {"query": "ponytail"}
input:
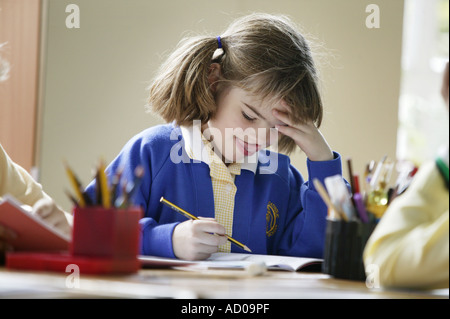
[(181, 91)]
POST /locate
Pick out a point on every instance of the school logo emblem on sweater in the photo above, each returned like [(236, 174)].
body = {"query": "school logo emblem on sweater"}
[(271, 219)]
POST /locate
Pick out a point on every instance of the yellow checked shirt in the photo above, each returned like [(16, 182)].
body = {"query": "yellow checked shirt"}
[(224, 190), (222, 176)]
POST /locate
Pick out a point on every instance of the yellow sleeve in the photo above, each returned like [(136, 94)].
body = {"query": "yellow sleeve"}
[(16, 181), (410, 245)]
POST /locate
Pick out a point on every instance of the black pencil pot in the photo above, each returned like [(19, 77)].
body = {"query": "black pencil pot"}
[(344, 246)]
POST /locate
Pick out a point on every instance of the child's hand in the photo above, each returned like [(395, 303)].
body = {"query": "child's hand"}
[(52, 215), (307, 136), (197, 239)]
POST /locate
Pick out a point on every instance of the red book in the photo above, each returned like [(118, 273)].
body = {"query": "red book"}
[(33, 234)]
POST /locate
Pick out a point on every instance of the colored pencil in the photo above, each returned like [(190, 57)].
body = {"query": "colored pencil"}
[(76, 185)]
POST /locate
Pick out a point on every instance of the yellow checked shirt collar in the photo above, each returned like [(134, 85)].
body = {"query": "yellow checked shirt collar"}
[(195, 149), (218, 169)]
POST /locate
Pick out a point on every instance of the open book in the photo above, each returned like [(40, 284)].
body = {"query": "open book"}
[(271, 261), (33, 234), (237, 261)]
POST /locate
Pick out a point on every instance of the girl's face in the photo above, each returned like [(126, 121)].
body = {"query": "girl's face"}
[(242, 125)]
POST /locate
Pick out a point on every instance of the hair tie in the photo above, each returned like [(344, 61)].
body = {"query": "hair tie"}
[(219, 42)]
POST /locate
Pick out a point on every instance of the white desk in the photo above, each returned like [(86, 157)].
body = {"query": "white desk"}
[(211, 284)]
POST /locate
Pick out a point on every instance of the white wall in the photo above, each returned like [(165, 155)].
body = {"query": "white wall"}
[(96, 76)]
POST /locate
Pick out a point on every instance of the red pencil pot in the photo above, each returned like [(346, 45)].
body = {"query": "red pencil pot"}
[(106, 233)]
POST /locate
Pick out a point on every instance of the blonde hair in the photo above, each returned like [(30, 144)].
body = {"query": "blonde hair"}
[(261, 53)]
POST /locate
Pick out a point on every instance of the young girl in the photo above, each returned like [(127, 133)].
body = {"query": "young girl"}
[(227, 98)]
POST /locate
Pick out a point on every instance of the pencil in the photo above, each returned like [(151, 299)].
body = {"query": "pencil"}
[(103, 187), (76, 185), (98, 189), (71, 197), (356, 181), (190, 216), (351, 177)]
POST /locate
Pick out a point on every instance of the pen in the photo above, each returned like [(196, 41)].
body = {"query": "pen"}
[(356, 181), (351, 176), (360, 208), (190, 216)]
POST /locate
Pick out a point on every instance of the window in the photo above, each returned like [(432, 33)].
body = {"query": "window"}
[(423, 116)]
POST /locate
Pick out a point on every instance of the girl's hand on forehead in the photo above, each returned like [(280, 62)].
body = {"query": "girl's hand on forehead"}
[(306, 135)]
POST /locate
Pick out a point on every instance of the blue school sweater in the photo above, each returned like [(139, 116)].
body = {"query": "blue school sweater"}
[(276, 211)]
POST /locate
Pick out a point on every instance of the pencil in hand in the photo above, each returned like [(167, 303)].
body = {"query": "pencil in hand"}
[(190, 216)]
